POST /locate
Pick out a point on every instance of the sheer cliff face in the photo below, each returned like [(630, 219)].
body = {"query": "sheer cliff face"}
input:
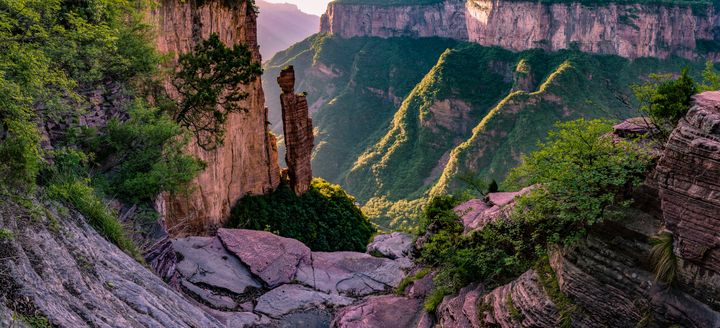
[(441, 20), (247, 163), (627, 30)]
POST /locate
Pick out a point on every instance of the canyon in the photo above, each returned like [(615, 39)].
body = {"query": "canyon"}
[(628, 30)]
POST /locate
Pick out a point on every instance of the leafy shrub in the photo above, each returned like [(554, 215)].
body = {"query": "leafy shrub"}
[(583, 177), (325, 218), (666, 100), (146, 154)]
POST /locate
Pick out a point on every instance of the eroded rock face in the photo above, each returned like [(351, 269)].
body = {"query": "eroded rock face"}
[(635, 30), (688, 177), (298, 130), (273, 258), (523, 302), (246, 163), (73, 276)]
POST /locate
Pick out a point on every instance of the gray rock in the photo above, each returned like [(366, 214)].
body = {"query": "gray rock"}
[(293, 298), (76, 278), (395, 245), (383, 311), (273, 258), (350, 273), (216, 300), (204, 260)]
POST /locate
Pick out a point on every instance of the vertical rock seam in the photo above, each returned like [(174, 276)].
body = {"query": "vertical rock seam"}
[(298, 132)]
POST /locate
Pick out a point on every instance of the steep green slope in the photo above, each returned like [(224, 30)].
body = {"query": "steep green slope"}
[(397, 119), (354, 87)]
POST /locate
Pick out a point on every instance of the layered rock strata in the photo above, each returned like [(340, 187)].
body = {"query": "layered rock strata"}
[(628, 30), (298, 130), (245, 163), (688, 176)]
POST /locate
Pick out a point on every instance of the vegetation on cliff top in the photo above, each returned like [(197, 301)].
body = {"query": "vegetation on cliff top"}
[(583, 177), (325, 217)]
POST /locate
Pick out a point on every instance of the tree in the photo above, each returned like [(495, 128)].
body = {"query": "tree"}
[(666, 100), (208, 81)]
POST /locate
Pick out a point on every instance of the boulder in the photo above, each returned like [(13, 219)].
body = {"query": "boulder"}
[(392, 246), (634, 127), (350, 273), (293, 298), (383, 311), (273, 258), (476, 213), (204, 260)]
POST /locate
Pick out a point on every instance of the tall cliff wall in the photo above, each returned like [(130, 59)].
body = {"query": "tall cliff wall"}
[(247, 163), (628, 30)]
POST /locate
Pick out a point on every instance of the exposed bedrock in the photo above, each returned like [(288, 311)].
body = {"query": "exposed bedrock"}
[(688, 176), (246, 163), (628, 30)]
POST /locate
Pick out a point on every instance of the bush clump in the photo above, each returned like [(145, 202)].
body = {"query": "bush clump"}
[(325, 218), (582, 177)]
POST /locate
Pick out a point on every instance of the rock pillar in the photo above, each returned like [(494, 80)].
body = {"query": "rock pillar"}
[(298, 129)]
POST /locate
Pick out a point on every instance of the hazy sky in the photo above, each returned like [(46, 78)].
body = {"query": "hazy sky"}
[(316, 7)]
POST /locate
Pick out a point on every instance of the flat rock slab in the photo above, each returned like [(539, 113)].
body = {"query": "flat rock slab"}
[(350, 273), (204, 260), (273, 258), (393, 246), (293, 298), (381, 312)]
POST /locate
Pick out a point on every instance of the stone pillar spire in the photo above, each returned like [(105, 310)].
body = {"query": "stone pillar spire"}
[(298, 130)]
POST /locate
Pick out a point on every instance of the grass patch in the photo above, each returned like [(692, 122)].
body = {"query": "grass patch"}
[(663, 258), (548, 280), (409, 279), (433, 300), (515, 314), (81, 196)]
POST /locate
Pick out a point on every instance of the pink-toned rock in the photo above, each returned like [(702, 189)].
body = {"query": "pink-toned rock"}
[(393, 246), (350, 273), (476, 213), (650, 31), (273, 258), (381, 312), (521, 303), (688, 178), (461, 311), (634, 127)]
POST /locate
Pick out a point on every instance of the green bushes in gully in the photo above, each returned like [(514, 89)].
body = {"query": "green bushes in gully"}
[(54, 52), (582, 179), (325, 218)]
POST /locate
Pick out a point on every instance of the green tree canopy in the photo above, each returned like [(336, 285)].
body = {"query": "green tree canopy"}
[(208, 81)]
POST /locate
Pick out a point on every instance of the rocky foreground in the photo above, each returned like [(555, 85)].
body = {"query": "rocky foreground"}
[(55, 267)]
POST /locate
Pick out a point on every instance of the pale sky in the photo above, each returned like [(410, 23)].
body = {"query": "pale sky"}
[(315, 7)]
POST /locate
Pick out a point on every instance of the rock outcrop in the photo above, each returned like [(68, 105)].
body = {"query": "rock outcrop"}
[(628, 30), (55, 267), (265, 279), (298, 130), (244, 164), (688, 176)]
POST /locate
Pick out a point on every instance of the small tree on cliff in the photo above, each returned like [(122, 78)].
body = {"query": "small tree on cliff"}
[(207, 82), (666, 100)]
